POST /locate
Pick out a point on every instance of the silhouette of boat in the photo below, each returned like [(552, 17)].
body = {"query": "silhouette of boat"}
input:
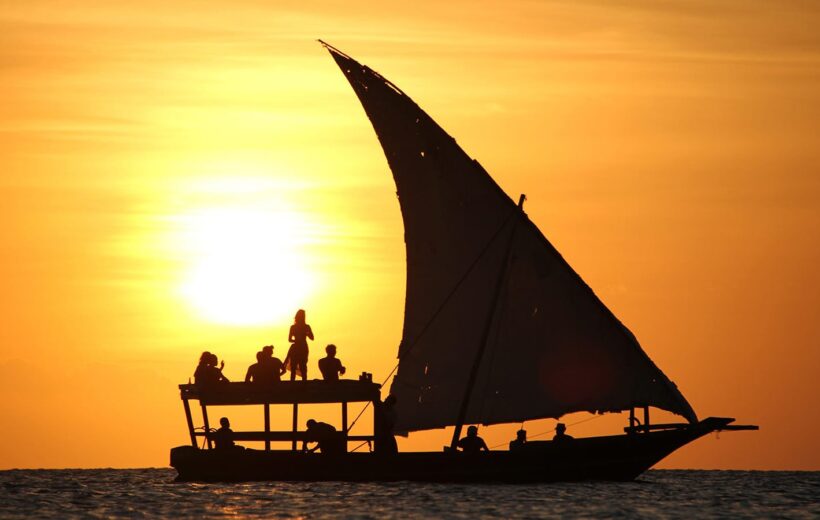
[(498, 328)]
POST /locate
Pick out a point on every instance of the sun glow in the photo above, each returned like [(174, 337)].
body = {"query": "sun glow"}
[(247, 265)]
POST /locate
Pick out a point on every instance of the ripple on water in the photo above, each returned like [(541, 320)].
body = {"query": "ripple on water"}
[(658, 494)]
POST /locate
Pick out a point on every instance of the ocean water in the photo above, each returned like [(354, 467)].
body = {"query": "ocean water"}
[(150, 493)]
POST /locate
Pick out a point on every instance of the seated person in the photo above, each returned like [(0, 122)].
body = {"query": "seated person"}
[(223, 437), (270, 368), (520, 440), (252, 376), (207, 373), (472, 443), (330, 366), (561, 433), (327, 439)]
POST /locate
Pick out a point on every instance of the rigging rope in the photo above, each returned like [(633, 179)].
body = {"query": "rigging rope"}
[(550, 431), (368, 403), (440, 308), (359, 446), (458, 284), (204, 437)]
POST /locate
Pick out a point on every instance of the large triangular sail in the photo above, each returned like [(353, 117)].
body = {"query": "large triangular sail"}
[(553, 346)]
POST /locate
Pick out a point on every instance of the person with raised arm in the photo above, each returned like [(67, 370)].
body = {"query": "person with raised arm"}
[(207, 373)]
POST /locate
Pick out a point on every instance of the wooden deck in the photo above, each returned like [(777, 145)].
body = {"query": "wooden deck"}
[(283, 392)]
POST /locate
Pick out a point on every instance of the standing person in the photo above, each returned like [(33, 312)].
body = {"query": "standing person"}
[(385, 442), (330, 366), (300, 332)]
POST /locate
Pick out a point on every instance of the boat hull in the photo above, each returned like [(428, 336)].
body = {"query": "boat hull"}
[(615, 458)]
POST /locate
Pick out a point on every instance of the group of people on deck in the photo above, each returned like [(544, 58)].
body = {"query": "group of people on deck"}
[(269, 369), (472, 443), (328, 440)]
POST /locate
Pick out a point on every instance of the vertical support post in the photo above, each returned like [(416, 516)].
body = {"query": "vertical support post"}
[(295, 425), (646, 418), (190, 421), (267, 426), (207, 426), (344, 423), (376, 411)]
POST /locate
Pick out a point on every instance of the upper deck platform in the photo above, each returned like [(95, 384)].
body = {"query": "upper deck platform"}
[(283, 392)]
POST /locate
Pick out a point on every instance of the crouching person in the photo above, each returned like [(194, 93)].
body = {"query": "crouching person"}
[(327, 439)]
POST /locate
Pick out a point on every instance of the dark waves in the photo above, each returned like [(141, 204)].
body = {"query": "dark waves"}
[(151, 493)]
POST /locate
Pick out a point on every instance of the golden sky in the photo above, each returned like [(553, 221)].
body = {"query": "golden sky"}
[(669, 151)]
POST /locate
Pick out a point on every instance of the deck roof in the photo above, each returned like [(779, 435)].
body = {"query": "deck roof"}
[(283, 392)]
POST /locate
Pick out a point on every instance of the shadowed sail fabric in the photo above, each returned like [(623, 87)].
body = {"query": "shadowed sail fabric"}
[(553, 347)]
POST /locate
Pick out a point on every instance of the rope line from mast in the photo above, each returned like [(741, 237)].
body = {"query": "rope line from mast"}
[(440, 308), (546, 432), (458, 284), (359, 446)]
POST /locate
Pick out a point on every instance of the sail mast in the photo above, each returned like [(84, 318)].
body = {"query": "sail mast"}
[(485, 336), (565, 350)]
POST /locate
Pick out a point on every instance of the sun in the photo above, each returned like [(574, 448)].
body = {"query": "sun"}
[(247, 266)]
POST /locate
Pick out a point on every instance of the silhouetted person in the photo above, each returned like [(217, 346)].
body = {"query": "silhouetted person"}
[(270, 368), (297, 356), (223, 437), (330, 366), (385, 421), (561, 433), (203, 369), (252, 376), (472, 443), (520, 440), (207, 373), (327, 439)]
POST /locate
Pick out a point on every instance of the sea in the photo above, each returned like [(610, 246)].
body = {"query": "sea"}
[(152, 493)]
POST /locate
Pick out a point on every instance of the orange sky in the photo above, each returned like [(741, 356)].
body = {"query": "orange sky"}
[(670, 152)]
